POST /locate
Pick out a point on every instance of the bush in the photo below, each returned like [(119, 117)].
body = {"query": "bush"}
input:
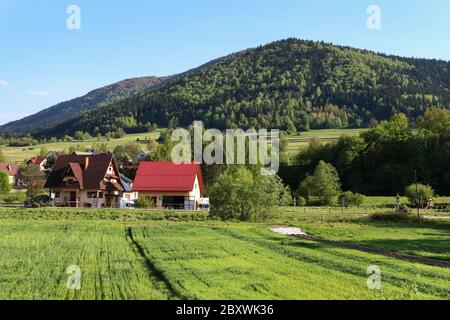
[(97, 214), (18, 197), (145, 203), (394, 216), (419, 193), (353, 199), (40, 201), (5, 186), (301, 202)]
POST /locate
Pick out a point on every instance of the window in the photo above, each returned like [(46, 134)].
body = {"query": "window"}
[(92, 195), (100, 195), (57, 194), (69, 181)]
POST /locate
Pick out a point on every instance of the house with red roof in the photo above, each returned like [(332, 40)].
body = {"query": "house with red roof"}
[(37, 163), (12, 170), (170, 185), (89, 181)]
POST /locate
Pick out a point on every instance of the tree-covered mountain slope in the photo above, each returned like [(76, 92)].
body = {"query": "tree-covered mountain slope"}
[(290, 84), (71, 109)]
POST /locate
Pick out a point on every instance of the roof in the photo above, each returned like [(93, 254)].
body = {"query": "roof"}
[(88, 178), (10, 168), (167, 176), (36, 160), (126, 182)]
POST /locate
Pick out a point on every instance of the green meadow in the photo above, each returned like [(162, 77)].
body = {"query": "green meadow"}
[(301, 141), (21, 154), (141, 255), (295, 143)]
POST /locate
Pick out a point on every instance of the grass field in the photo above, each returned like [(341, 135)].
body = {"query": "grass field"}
[(295, 143), (20, 154), (429, 239), (138, 255), (298, 142)]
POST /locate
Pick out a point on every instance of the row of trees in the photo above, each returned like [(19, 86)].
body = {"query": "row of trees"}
[(385, 159)]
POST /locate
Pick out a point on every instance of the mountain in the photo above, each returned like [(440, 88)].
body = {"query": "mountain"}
[(290, 84), (71, 109)]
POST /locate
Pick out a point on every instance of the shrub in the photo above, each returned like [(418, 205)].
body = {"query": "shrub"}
[(394, 216), (144, 203), (40, 201), (17, 197), (353, 199), (301, 202), (418, 194), (5, 186)]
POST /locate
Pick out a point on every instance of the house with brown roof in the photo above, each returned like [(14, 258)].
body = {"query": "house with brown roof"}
[(89, 181), (12, 170), (170, 185)]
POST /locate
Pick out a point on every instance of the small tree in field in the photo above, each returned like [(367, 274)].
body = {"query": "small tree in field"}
[(5, 186), (324, 184), (418, 194), (242, 194)]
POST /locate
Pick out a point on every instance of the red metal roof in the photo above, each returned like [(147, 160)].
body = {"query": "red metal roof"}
[(167, 176), (36, 160), (10, 168)]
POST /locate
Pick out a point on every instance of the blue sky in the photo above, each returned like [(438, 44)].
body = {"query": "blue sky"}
[(43, 63)]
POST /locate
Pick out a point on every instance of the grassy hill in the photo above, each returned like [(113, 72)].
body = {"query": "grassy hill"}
[(291, 85)]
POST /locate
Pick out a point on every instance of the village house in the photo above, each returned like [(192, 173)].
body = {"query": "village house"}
[(12, 170), (89, 181), (37, 163), (170, 185)]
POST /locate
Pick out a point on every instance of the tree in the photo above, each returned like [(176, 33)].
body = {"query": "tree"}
[(418, 194), (324, 184), (436, 120), (35, 181), (5, 186), (43, 152), (241, 194)]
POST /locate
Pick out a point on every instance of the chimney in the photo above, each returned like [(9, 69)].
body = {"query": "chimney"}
[(86, 163)]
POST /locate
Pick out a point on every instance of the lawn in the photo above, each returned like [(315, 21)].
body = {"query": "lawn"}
[(139, 255)]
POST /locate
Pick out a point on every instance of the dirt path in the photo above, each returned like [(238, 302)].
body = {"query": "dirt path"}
[(400, 256)]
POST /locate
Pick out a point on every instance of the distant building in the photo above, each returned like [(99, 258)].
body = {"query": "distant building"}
[(37, 163), (89, 181), (170, 185), (128, 195), (12, 170), (142, 155)]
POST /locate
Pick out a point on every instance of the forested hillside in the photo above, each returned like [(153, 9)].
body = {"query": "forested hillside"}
[(71, 109), (291, 85)]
